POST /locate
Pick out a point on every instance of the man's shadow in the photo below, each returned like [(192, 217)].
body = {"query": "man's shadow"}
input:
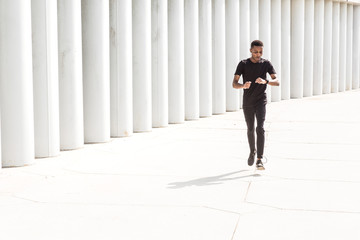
[(214, 180)]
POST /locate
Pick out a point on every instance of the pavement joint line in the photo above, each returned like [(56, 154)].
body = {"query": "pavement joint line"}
[(312, 159), (218, 128), (130, 174), (310, 179), (235, 229), (312, 122), (129, 204), (126, 205), (248, 188), (317, 143), (39, 174), (25, 199), (29, 171), (223, 210), (149, 175), (303, 209), (247, 191)]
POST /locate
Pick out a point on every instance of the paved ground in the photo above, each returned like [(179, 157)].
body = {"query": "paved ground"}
[(191, 181)]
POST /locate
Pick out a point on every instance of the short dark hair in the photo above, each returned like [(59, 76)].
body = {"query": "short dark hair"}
[(257, 43)]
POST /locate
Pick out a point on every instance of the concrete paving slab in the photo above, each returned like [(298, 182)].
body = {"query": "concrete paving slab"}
[(304, 151), (92, 222), (306, 195), (298, 225), (313, 169), (112, 189)]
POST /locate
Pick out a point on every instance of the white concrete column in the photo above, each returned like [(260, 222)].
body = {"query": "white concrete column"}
[(245, 40), (254, 19), (159, 41), (191, 15), (335, 48), (70, 75), (232, 53), (176, 61), (142, 112), (342, 47), (205, 58), (309, 48), (121, 95), (265, 33), (16, 83), (318, 47), (96, 70), (285, 48), (349, 46), (276, 46), (327, 46), (46, 81), (218, 43), (297, 48), (356, 48)]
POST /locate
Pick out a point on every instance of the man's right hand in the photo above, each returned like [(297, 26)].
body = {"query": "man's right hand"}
[(247, 85)]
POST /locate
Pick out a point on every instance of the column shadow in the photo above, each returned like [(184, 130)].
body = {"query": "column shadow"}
[(214, 180)]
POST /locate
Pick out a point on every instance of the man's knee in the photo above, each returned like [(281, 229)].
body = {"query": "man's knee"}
[(260, 130), (250, 131)]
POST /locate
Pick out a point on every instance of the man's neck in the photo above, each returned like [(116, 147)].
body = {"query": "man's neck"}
[(253, 60)]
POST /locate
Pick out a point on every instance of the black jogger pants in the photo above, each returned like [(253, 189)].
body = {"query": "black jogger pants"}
[(258, 111)]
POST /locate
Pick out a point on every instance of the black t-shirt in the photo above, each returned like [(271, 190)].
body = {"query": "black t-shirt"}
[(251, 71)]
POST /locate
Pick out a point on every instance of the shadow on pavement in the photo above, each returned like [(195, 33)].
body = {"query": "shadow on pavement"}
[(214, 180)]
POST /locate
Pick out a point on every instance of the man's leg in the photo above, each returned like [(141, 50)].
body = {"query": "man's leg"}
[(260, 132), (249, 113)]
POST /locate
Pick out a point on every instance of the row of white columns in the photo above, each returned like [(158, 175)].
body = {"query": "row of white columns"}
[(324, 47), (82, 71)]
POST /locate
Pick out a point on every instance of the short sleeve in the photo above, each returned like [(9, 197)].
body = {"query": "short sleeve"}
[(271, 69), (239, 69)]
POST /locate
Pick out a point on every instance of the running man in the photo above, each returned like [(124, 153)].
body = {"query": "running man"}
[(254, 70)]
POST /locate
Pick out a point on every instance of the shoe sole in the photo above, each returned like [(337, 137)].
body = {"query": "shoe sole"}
[(260, 168)]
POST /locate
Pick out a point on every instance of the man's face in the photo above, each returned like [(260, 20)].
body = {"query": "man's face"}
[(256, 53)]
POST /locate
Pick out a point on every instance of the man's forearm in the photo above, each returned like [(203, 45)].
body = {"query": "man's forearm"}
[(274, 82), (237, 85)]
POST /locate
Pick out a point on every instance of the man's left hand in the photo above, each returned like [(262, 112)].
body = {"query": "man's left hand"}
[(260, 81)]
